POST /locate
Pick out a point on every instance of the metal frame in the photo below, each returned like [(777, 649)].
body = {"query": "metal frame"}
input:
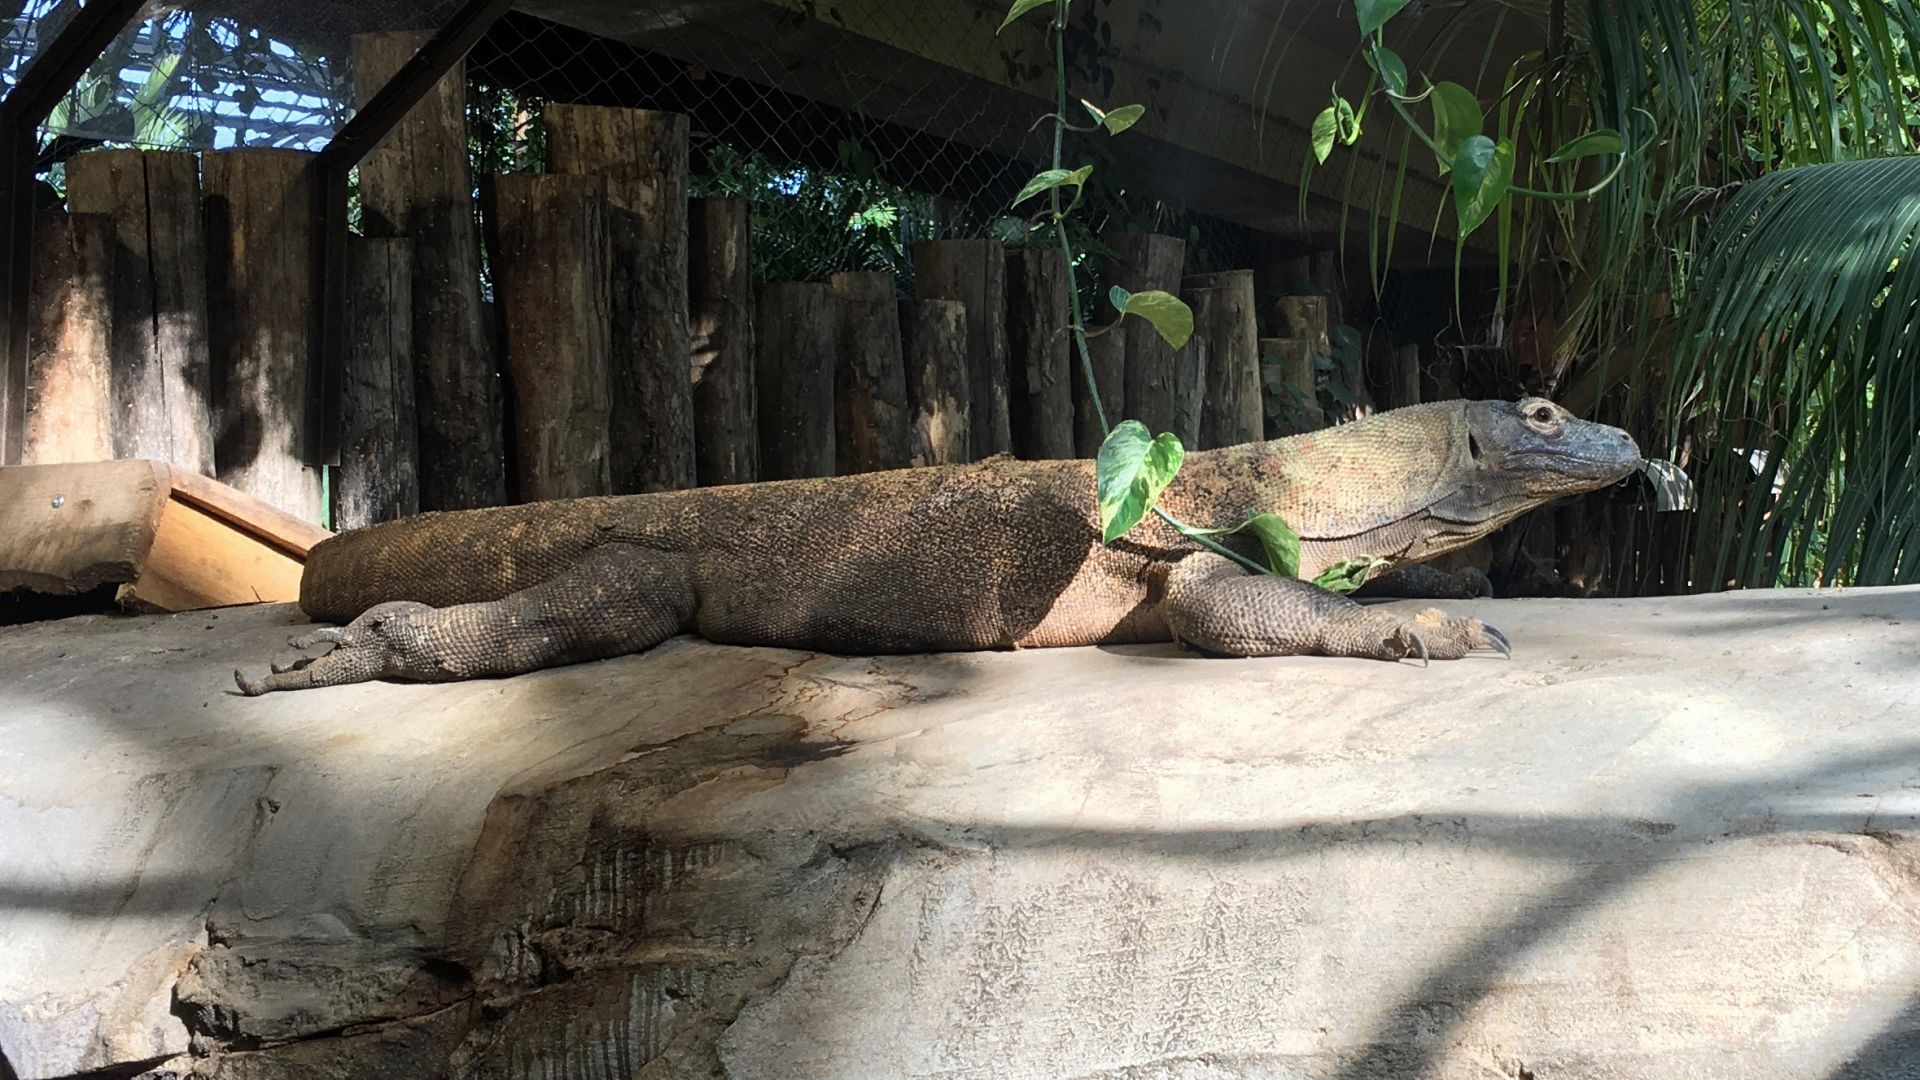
[(348, 147), (46, 80)]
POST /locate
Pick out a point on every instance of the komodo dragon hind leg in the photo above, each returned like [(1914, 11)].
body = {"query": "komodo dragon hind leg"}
[(1216, 605), (617, 599)]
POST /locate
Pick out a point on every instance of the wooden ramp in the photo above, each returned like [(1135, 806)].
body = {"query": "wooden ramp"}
[(172, 540)]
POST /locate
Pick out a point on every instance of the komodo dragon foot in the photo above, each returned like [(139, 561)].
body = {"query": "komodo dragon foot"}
[(1220, 607)]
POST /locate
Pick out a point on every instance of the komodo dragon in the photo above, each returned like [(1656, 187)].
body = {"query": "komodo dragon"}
[(992, 555)]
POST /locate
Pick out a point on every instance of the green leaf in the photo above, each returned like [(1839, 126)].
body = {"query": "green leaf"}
[(1391, 69), (1123, 118), (1456, 118), (1053, 178), (1019, 8), (1603, 141), (1325, 127), (1482, 173), (1375, 13), (1170, 316), (1131, 471), (1279, 541), (1347, 574)]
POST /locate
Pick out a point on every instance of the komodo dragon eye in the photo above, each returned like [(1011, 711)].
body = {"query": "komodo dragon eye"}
[(1542, 415)]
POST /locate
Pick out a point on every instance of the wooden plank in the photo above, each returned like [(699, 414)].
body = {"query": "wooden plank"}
[(418, 186), (1224, 320), (552, 275), (71, 528), (260, 256), (643, 157), (872, 420), (720, 298), (1292, 398), (1039, 345), (70, 379), (1144, 261), (934, 342), (199, 560), (161, 391), (378, 478), (794, 371), (264, 523), (1108, 353), (974, 272)]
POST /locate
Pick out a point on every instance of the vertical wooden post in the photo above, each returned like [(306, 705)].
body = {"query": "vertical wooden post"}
[(974, 272), (70, 382), (552, 275), (934, 340), (260, 235), (1223, 317), (643, 156), (1406, 377), (872, 420), (1307, 318), (1287, 374), (794, 372), (1040, 352), (162, 397), (417, 185), (1108, 352), (378, 477), (726, 422), (1144, 261)]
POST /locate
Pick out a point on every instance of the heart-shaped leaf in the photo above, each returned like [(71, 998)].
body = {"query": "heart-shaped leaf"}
[(1391, 69), (1375, 13), (1053, 178), (1347, 574), (1278, 542), (1131, 471), (1019, 8), (1482, 173), (1603, 141), (1170, 316), (1123, 118), (1326, 127), (1456, 118)]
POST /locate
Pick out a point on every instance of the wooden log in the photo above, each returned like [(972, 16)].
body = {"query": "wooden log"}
[(934, 342), (872, 419), (69, 379), (378, 478), (1190, 389), (417, 185), (1144, 261), (1406, 377), (260, 254), (161, 393), (726, 412), (795, 345), (974, 272), (1040, 349), (552, 273), (1442, 378), (1287, 375), (1108, 352), (1223, 320), (1308, 318), (643, 157)]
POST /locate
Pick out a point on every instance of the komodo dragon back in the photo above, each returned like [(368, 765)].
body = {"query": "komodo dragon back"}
[(996, 554)]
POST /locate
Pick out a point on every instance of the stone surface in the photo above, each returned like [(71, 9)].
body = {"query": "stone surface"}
[(1670, 838)]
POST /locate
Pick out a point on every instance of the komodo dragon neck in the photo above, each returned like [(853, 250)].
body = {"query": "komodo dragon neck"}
[(998, 554)]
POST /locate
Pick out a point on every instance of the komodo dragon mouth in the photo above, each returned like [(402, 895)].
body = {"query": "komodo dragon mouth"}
[(998, 554)]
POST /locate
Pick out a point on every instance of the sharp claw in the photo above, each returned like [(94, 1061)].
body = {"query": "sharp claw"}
[(1498, 640), (1420, 643)]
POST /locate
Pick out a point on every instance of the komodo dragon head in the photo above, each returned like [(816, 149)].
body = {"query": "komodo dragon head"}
[(1414, 483)]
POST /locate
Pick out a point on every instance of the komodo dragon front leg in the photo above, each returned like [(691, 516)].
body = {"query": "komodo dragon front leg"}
[(1218, 606), (615, 600)]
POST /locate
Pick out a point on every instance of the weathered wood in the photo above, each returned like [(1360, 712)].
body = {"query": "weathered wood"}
[(1223, 321), (552, 274), (1406, 377), (1442, 377), (795, 345), (378, 478), (1292, 399), (1108, 353), (161, 394), (872, 420), (1039, 348), (643, 156), (69, 377), (720, 299), (260, 255), (974, 272), (1144, 261), (1308, 318), (417, 185), (934, 341)]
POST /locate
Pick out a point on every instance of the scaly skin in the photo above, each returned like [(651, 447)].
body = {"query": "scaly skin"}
[(994, 555)]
